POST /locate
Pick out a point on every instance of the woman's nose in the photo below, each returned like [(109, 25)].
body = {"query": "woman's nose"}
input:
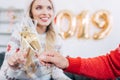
[(45, 11)]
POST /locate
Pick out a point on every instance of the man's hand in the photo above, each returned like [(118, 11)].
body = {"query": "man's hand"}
[(55, 58)]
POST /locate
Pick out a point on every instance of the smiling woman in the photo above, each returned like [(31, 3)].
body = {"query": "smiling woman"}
[(42, 11), (21, 61)]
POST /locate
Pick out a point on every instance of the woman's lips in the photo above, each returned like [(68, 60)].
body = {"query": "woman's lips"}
[(44, 19)]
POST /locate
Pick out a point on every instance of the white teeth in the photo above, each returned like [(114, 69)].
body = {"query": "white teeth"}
[(44, 18)]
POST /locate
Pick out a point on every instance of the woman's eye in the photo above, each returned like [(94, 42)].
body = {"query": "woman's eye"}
[(49, 8), (39, 7)]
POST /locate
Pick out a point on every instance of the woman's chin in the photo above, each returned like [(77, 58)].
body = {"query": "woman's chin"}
[(44, 23)]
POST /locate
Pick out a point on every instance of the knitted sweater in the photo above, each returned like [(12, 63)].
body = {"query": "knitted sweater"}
[(42, 72), (102, 67)]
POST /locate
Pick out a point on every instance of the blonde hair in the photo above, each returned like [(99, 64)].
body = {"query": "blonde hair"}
[(50, 37)]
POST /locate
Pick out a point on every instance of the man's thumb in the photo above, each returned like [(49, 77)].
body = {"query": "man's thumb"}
[(46, 58)]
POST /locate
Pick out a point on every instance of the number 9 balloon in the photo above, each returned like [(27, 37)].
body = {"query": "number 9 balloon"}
[(102, 20)]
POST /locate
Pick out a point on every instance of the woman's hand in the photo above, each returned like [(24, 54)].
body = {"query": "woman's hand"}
[(55, 58), (16, 59)]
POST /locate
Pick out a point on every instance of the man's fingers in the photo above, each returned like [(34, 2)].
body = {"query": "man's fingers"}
[(43, 63), (46, 58)]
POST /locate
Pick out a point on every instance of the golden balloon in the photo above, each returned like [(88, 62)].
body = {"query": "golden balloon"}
[(102, 20), (82, 24), (79, 25), (64, 20)]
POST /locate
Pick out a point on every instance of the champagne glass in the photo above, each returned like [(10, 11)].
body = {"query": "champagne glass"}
[(30, 42), (29, 34)]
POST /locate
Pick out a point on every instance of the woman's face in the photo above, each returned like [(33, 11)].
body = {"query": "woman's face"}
[(42, 11)]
